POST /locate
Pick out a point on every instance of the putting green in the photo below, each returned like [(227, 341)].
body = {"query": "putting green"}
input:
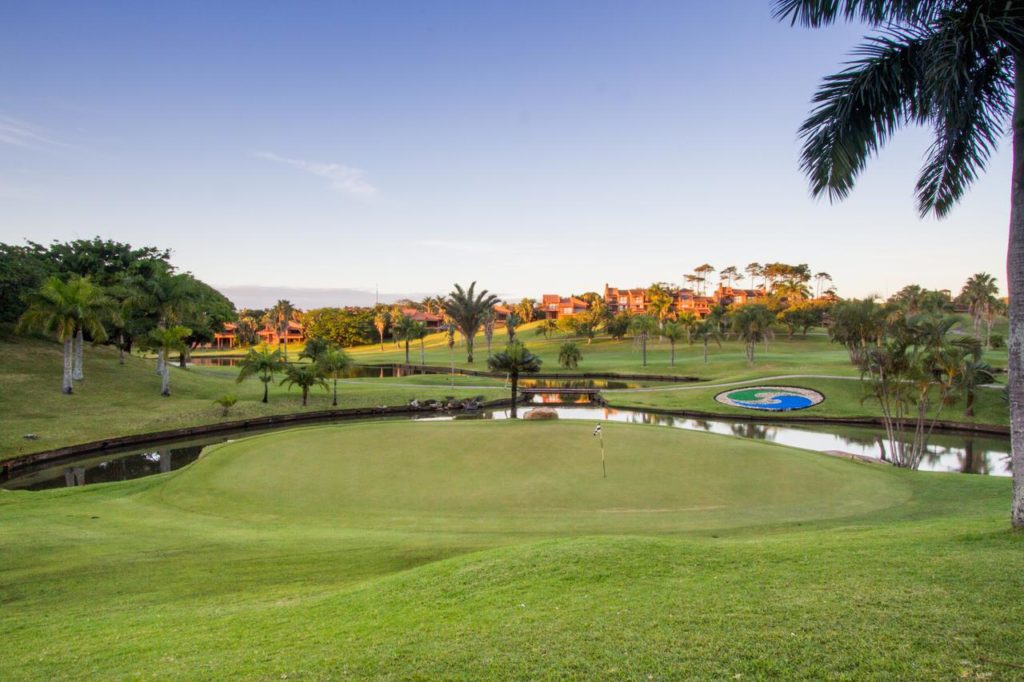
[(522, 477)]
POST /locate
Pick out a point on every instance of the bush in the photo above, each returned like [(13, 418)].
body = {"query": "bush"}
[(226, 402), (996, 341)]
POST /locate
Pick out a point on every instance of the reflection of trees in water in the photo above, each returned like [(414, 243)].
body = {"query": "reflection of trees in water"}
[(752, 430), (702, 424)]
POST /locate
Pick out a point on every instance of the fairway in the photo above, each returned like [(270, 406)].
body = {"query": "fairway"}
[(471, 549), (524, 477)]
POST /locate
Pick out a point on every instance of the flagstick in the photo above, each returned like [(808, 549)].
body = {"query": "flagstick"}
[(604, 471)]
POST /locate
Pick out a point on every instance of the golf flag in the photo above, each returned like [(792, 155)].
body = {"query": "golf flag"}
[(597, 432), (597, 429)]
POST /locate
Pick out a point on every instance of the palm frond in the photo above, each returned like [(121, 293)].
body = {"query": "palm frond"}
[(969, 84), (816, 13), (858, 110)]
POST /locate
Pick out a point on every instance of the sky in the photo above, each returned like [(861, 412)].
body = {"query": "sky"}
[(534, 147)]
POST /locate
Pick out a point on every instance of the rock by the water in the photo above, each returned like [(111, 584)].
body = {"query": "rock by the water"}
[(541, 413)]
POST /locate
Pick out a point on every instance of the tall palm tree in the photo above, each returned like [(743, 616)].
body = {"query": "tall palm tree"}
[(263, 362), (467, 310), (957, 65), (514, 360), (305, 377), (332, 363), (420, 331), (281, 315), (169, 296), (674, 332), (705, 330), (512, 322), (527, 309), (403, 329), (166, 340), (488, 323), (642, 326), (381, 319), (63, 309), (752, 323), (979, 295)]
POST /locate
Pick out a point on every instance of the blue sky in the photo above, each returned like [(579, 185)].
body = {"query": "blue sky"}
[(534, 147)]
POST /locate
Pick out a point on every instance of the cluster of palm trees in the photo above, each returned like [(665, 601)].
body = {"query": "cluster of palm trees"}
[(74, 307), (326, 361)]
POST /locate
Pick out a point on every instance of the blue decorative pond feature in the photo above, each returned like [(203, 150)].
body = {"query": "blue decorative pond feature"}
[(770, 398)]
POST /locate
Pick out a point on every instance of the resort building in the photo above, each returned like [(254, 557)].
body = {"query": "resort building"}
[(554, 307), (430, 320), (272, 337), (632, 301), (226, 339), (731, 295)]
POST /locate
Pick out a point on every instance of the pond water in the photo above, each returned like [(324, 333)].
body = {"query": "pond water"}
[(947, 451)]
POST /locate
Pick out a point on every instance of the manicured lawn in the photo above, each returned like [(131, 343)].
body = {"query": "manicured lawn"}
[(471, 549), (116, 400)]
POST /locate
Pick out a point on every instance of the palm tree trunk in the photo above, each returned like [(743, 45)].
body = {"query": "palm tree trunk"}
[(67, 387), (469, 348), (407, 352), (305, 395), (160, 362), (706, 350), (423, 358), (266, 387), (182, 363), (969, 403), (334, 403), (1015, 279), (120, 348), (672, 354), (643, 348), (165, 380), (515, 386), (77, 373)]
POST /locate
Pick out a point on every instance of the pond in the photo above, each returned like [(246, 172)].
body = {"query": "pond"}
[(947, 451)]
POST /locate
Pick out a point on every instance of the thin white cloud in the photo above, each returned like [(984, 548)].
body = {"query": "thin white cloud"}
[(341, 178), (19, 134)]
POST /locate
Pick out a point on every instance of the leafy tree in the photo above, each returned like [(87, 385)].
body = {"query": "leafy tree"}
[(857, 324), (305, 377), (618, 326), (467, 310), (569, 355), (341, 326), (381, 320), (642, 326), (802, 316), (979, 295), (703, 272), (23, 269), (64, 309), (754, 270), (514, 360), (660, 301), (729, 274), (527, 310), (167, 340), (420, 331), (333, 362), (952, 64), (263, 363), (705, 330), (819, 279), (674, 332)]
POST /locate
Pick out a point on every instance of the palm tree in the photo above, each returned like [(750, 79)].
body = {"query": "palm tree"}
[(792, 290), (467, 310), (403, 329), (488, 322), (381, 319), (569, 355), (420, 332), (706, 330), (642, 326), (165, 341), (315, 348), (752, 323), (170, 297), (514, 360), (547, 327), (659, 301), (674, 332), (979, 295), (264, 363), (956, 66), (527, 308), (65, 309), (281, 315), (332, 363), (305, 377), (511, 323)]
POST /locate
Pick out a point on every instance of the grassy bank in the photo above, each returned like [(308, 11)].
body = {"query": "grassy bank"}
[(116, 400), (466, 550)]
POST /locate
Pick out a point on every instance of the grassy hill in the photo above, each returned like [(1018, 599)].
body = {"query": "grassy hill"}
[(470, 549)]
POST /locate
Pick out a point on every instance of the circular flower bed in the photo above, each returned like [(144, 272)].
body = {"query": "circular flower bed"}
[(771, 398)]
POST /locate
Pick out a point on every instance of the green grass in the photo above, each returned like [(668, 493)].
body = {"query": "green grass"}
[(116, 400), (470, 550)]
